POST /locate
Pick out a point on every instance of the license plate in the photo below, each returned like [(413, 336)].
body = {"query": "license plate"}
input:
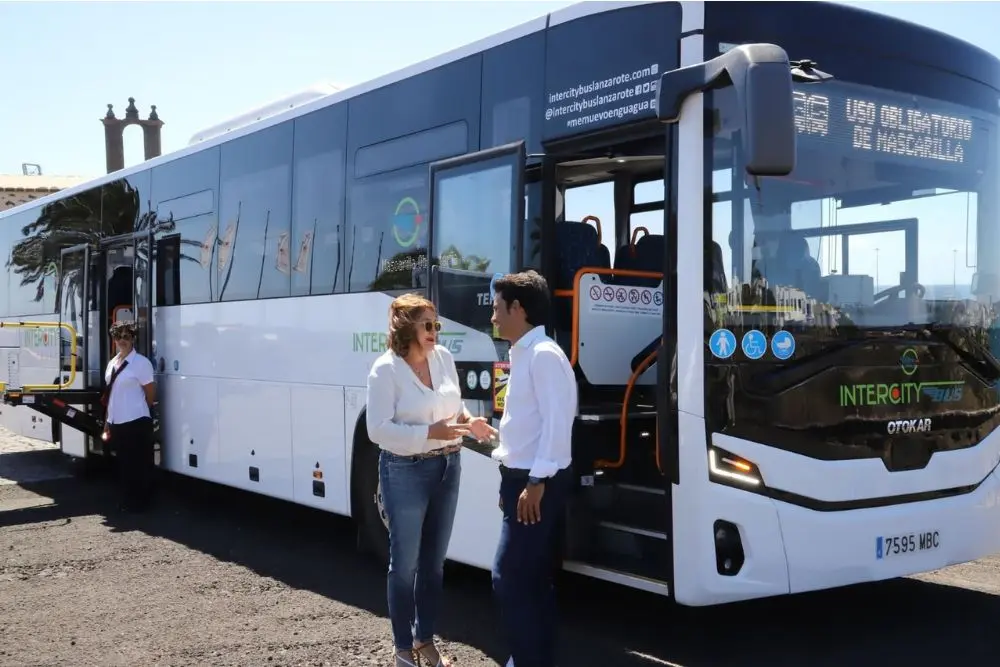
[(893, 546)]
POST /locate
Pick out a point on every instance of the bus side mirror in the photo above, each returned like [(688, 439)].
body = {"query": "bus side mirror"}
[(762, 78), (769, 119)]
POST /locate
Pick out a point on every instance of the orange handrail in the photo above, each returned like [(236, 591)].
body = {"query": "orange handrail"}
[(597, 223), (623, 420), (635, 233), (575, 295)]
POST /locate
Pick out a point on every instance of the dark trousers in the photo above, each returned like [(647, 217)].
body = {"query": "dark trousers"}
[(133, 445), (524, 568)]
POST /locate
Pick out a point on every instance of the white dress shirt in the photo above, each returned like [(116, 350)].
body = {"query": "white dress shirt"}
[(128, 400), (537, 424), (401, 408)]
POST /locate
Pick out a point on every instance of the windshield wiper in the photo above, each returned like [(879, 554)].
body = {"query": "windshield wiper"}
[(980, 360)]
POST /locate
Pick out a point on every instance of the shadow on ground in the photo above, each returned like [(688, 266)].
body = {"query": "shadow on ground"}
[(901, 622), (29, 467)]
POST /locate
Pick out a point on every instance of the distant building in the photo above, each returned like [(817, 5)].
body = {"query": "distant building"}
[(16, 189)]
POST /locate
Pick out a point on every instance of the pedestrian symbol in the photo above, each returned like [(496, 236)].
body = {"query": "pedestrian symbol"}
[(722, 343), (754, 344), (783, 345)]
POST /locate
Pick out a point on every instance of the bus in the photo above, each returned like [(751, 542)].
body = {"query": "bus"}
[(773, 260)]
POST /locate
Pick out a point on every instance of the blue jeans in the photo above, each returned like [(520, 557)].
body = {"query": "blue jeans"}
[(419, 497), (526, 560)]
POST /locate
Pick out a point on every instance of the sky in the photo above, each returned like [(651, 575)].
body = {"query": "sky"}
[(203, 62)]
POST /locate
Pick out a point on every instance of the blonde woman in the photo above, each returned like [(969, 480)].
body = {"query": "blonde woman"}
[(416, 416)]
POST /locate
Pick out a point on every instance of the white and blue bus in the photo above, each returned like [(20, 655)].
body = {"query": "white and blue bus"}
[(771, 231)]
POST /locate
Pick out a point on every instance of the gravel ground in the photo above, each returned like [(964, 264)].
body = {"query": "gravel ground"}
[(214, 576)]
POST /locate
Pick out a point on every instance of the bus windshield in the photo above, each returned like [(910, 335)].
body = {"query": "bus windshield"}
[(889, 220)]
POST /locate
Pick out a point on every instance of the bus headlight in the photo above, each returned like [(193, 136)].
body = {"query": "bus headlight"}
[(728, 468)]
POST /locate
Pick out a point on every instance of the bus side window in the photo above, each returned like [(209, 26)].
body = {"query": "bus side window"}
[(168, 277), (531, 243)]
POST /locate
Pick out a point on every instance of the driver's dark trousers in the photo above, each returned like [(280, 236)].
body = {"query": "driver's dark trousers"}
[(133, 445)]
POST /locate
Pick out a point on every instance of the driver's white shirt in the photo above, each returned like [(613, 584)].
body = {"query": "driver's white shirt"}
[(128, 400)]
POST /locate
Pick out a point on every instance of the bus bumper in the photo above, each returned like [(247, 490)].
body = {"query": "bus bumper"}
[(828, 549), (791, 549)]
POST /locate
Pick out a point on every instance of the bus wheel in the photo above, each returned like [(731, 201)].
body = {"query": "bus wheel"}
[(373, 525)]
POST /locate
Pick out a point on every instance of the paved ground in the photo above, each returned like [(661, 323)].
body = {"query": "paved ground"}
[(217, 577)]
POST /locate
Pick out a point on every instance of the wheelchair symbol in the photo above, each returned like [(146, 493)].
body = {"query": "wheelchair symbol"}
[(754, 344)]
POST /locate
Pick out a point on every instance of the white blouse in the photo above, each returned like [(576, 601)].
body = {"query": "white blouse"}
[(401, 408), (127, 401)]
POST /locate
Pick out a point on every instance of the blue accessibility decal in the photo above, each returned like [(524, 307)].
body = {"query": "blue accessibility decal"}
[(754, 344), (722, 343), (783, 345)]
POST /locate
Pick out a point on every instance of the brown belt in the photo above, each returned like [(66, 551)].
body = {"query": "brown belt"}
[(443, 451)]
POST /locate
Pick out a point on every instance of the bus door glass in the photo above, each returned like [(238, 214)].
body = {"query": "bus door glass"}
[(127, 282), (142, 277), (76, 300), (477, 210)]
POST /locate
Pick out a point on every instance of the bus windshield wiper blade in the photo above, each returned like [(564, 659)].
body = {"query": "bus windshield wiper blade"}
[(979, 359)]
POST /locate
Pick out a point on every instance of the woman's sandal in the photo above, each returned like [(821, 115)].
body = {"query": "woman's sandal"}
[(407, 658), (430, 653)]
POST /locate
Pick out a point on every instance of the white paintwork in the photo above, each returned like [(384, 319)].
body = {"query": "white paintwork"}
[(312, 401), (692, 16), (612, 333), (477, 519), (825, 480), (791, 549), (690, 210), (292, 101)]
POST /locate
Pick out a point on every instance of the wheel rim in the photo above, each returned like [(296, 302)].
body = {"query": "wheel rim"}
[(380, 506)]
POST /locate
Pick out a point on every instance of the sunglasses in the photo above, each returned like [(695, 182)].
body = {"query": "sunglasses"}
[(432, 326)]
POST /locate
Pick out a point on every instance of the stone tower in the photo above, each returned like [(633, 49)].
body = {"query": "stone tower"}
[(114, 132)]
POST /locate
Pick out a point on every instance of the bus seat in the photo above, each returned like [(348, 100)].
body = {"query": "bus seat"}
[(649, 251), (577, 246), (625, 256)]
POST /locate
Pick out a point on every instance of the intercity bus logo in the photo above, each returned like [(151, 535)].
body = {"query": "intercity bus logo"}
[(407, 222), (901, 393)]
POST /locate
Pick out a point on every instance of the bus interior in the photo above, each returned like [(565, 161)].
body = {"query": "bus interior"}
[(606, 276)]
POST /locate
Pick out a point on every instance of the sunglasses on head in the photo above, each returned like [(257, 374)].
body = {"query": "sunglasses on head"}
[(432, 326)]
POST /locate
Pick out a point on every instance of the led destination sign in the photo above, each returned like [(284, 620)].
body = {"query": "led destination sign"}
[(875, 124)]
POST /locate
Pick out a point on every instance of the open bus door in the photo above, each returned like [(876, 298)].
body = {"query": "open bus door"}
[(98, 285), (476, 213)]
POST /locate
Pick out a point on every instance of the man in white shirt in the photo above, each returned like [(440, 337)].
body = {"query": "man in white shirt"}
[(535, 453)]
